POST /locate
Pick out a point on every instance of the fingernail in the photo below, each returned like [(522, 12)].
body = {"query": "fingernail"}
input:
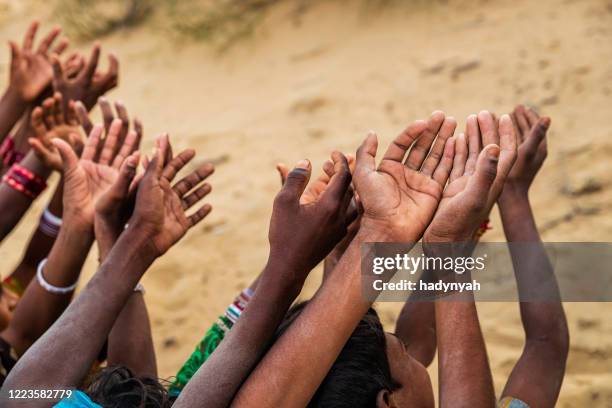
[(493, 152), (303, 164)]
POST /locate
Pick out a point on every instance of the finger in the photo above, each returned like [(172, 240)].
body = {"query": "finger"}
[(71, 115), (90, 68), (127, 148), (445, 166), (461, 154), (39, 147), (46, 42), (532, 117), (283, 171), (421, 147), (488, 128), (472, 132), (15, 54), (296, 182), (537, 134), (83, 117), (199, 215), (138, 128), (28, 39), (480, 183), (176, 164), (328, 170), (91, 147), (61, 46), (58, 71), (340, 180), (366, 154), (58, 108), (127, 172), (517, 132), (48, 116), (109, 80), (521, 119), (107, 113), (106, 155), (190, 181), (508, 146), (125, 119), (351, 161), (198, 194), (437, 151), (400, 145), (69, 157), (37, 122)]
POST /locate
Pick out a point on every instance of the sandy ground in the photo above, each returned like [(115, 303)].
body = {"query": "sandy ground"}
[(313, 80)]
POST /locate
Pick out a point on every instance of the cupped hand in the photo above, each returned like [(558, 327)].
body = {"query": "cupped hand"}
[(49, 122), (88, 178), (532, 150), (160, 211), (86, 84), (401, 195), (308, 221), (30, 69), (476, 180)]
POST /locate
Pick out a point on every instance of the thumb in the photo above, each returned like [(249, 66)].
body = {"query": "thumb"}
[(127, 172), (283, 171), (297, 180), (69, 157), (486, 171)]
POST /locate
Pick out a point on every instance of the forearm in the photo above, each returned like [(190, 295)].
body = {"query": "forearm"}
[(463, 368), (12, 108), (14, 204), (130, 343), (416, 327), (41, 242), (218, 380), (289, 376), (541, 308), (81, 331), (39, 308)]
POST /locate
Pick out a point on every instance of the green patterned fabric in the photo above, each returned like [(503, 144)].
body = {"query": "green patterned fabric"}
[(205, 348)]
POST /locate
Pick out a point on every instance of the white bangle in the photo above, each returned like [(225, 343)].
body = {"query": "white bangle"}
[(140, 288), (49, 287), (50, 224)]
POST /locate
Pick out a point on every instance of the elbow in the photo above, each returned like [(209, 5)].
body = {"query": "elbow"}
[(554, 338)]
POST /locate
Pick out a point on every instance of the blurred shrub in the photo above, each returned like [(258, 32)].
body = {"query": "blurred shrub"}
[(88, 19)]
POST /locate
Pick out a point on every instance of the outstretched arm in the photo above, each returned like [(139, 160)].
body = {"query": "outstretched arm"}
[(537, 376), (475, 183), (399, 201), (158, 222), (303, 230)]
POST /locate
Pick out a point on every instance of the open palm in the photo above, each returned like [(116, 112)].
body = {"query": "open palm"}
[(401, 195), (87, 179), (476, 179)]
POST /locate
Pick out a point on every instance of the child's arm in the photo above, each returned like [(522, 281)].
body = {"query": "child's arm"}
[(301, 235), (30, 75), (475, 183), (399, 201), (158, 222), (536, 378)]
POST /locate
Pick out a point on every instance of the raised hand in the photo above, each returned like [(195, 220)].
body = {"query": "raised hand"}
[(477, 178), (161, 208), (88, 178), (532, 150), (49, 122), (108, 116), (30, 69), (85, 85), (307, 222), (403, 192)]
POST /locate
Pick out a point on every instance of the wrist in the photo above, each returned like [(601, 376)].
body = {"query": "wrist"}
[(15, 98), (512, 192), (281, 278), (141, 241)]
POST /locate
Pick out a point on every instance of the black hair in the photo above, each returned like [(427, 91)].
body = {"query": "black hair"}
[(117, 387), (361, 370)]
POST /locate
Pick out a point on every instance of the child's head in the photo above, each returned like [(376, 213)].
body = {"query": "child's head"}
[(373, 369), (117, 387)]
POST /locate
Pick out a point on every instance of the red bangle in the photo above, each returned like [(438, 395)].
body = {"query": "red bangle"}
[(24, 181), (8, 154)]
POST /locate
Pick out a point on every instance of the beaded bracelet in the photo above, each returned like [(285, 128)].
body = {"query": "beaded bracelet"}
[(49, 287), (49, 223), (24, 181), (8, 154), (234, 310), (484, 227)]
